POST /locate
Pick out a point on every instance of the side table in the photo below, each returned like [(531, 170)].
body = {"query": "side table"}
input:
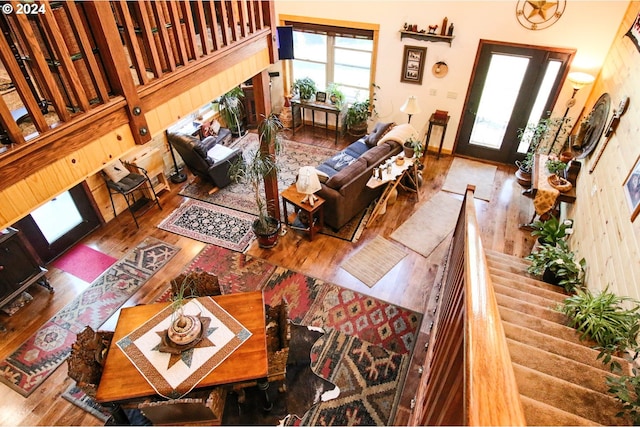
[(437, 121), (314, 214)]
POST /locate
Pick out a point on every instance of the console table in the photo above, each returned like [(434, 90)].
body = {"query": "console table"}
[(297, 105)]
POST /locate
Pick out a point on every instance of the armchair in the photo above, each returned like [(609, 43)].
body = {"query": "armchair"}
[(208, 159)]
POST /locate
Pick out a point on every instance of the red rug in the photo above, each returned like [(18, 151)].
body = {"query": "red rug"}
[(84, 262)]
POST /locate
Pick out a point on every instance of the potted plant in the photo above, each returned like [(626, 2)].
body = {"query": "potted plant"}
[(232, 110), (541, 137), (253, 170), (305, 88), (551, 231), (557, 169), (356, 118), (336, 96), (557, 265), (411, 147)]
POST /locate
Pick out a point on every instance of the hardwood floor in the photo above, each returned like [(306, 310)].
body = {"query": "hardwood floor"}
[(408, 284)]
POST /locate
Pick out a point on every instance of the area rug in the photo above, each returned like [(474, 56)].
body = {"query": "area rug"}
[(374, 260), (210, 223), (369, 377), (239, 196), (76, 396), (463, 172), (430, 224), (27, 367), (84, 262)]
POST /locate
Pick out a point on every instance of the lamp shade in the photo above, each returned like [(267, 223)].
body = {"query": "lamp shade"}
[(579, 80), (308, 182), (411, 106)]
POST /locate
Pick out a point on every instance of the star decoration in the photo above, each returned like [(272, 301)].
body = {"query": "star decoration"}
[(540, 8)]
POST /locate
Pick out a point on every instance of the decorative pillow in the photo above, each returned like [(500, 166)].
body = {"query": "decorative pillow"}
[(378, 131), (340, 160), (116, 171), (347, 174)]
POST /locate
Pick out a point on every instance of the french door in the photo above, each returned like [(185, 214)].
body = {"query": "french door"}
[(57, 225), (512, 85)]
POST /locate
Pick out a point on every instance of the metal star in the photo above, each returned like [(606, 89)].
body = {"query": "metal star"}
[(540, 8)]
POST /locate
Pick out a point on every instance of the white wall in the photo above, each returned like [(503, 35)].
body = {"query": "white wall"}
[(588, 26)]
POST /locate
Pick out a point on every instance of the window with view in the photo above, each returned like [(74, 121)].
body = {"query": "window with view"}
[(330, 54)]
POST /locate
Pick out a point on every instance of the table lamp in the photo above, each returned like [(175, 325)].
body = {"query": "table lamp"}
[(410, 107), (308, 183)]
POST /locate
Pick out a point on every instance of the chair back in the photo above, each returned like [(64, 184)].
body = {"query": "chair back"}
[(187, 146)]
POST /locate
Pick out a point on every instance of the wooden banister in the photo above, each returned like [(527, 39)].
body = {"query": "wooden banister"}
[(469, 378)]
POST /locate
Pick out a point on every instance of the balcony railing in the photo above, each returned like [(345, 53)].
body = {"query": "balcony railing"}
[(64, 61)]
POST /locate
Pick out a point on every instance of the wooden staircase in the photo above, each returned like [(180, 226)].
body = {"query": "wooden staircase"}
[(559, 378)]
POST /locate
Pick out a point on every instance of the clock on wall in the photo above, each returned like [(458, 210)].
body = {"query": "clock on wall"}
[(538, 15)]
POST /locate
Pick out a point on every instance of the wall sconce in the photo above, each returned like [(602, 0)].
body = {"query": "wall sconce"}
[(410, 107)]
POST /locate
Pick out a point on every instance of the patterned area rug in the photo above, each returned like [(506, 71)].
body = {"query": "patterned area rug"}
[(239, 196), (368, 376), (27, 367), (213, 224), (76, 396)]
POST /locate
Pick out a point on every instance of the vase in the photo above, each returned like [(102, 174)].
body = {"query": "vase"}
[(184, 329)]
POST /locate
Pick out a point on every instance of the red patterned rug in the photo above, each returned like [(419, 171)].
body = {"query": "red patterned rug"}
[(84, 262), (37, 358)]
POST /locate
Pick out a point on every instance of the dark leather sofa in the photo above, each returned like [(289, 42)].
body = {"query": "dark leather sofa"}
[(194, 153)]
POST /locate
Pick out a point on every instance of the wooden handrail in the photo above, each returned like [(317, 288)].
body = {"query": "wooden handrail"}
[(469, 378)]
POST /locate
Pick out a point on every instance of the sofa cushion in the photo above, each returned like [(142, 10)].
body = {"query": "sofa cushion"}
[(378, 131), (375, 155), (340, 160), (358, 148), (347, 174)]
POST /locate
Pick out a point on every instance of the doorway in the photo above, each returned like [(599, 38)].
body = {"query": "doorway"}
[(512, 85), (58, 224)]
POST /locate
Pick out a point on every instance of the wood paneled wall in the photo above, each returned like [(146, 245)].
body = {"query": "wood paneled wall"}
[(604, 233), (38, 188)]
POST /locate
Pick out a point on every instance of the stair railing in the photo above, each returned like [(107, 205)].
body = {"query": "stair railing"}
[(469, 378)]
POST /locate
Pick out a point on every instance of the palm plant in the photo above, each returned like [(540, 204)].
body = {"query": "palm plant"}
[(259, 164), (232, 109)]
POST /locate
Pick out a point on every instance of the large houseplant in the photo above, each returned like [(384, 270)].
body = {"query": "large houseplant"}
[(356, 118), (253, 169), (557, 265), (232, 110), (552, 231)]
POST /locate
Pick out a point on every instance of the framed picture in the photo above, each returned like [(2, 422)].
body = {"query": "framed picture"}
[(634, 32), (632, 189), (321, 96), (413, 64)]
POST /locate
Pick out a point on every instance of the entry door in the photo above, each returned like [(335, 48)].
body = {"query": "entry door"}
[(57, 225), (512, 85)]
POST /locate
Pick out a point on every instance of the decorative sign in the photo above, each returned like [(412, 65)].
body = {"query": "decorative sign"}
[(538, 15)]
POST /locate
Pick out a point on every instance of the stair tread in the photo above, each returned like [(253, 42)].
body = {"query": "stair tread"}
[(541, 414), (526, 307), (531, 298), (568, 397), (527, 284), (523, 277), (558, 366)]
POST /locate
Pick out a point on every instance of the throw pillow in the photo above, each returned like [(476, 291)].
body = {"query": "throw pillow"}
[(378, 131), (116, 171)]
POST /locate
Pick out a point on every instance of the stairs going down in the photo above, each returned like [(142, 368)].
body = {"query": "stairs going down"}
[(559, 378)]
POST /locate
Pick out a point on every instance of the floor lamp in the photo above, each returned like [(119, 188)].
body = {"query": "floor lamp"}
[(178, 176), (578, 80)]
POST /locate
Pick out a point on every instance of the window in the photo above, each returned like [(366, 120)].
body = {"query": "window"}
[(334, 54)]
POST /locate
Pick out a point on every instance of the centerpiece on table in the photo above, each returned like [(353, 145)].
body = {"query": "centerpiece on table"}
[(185, 330)]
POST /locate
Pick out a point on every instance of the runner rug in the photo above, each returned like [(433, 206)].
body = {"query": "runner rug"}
[(27, 367), (374, 260), (239, 196), (463, 172), (84, 262), (210, 223)]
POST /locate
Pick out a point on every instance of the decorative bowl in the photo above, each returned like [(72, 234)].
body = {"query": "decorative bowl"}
[(399, 160), (184, 329), (559, 183)]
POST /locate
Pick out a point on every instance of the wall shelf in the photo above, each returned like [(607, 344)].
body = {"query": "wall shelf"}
[(426, 37)]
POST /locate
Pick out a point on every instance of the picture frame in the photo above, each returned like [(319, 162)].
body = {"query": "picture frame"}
[(413, 64), (634, 32), (321, 96), (631, 188)]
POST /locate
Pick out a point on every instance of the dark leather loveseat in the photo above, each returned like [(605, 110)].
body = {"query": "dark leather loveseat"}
[(194, 152)]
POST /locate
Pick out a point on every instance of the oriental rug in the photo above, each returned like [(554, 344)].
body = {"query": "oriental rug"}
[(37, 358), (463, 172), (239, 196), (76, 396), (213, 224), (84, 262), (374, 260)]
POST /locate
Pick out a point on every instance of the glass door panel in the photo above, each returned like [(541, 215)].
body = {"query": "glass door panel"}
[(57, 217)]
